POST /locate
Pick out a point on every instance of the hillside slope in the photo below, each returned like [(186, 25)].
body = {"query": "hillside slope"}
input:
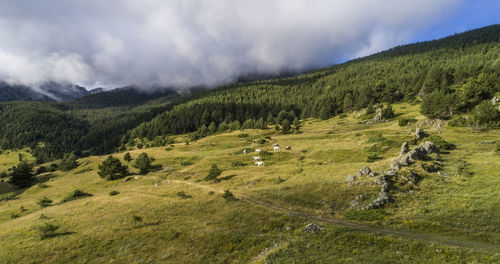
[(175, 215)]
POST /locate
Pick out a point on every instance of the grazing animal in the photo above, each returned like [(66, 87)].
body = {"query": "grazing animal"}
[(276, 145), (244, 151), (257, 150), (257, 159), (259, 164), (277, 149), (288, 147)]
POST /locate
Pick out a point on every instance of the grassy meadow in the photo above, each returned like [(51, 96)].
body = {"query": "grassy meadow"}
[(173, 215)]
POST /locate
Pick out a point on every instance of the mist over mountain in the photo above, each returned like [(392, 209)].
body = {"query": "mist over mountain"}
[(191, 43)]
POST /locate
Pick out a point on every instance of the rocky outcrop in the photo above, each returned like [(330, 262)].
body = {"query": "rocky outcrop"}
[(404, 149), (365, 171), (395, 165), (419, 133), (418, 153), (350, 178), (312, 228)]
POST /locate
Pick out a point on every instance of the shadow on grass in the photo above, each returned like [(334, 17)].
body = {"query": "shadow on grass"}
[(225, 178)]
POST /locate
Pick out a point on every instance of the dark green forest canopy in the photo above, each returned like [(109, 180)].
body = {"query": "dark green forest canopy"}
[(450, 77), (464, 66)]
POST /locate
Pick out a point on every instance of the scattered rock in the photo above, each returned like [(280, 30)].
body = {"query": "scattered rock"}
[(486, 142), (379, 202), (350, 178), (428, 147), (414, 177), (127, 179), (312, 228), (395, 165), (404, 149), (378, 115), (372, 174), (353, 204), (364, 171), (365, 122), (419, 133)]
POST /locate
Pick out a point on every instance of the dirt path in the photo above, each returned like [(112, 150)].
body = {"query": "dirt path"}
[(423, 237)]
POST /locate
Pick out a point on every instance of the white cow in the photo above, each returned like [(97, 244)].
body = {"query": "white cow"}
[(257, 150), (277, 149), (244, 151), (259, 164), (256, 159)]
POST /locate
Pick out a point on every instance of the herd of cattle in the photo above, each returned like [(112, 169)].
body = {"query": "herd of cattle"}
[(258, 159)]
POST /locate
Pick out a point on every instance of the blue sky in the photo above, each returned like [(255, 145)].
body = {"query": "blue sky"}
[(468, 15)]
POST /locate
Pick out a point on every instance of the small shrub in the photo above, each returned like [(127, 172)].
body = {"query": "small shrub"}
[(228, 196), (40, 170), (243, 135), (437, 140), (113, 193), (143, 163), (405, 121), (74, 195), (47, 230), (372, 157), (68, 162), (186, 163), (44, 202), (136, 218), (343, 115), (210, 193), (168, 148), (261, 141), (7, 196), (140, 146), (388, 112), (3, 174), (458, 121), (213, 173), (127, 157), (43, 185), (183, 195), (238, 164), (14, 215), (278, 180), (43, 217), (112, 168)]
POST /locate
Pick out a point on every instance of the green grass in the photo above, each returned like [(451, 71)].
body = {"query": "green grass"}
[(184, 219)]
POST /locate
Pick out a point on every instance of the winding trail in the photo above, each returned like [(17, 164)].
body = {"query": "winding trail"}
[(422, 237)]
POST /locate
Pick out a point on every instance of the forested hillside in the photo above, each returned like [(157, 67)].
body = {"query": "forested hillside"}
[(450, 76), (453, 78)]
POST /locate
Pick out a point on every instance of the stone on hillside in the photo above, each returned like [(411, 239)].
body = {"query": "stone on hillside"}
[(414, 177), (405, 160), (404, 149), (353, 204), (419, 133), (428, 147), (372, 174), (312, 228), (350, 178), (395, 165), (364, 171), (378, 115)]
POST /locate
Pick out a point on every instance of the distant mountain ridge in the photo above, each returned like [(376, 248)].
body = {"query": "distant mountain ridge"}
[(47, 92)]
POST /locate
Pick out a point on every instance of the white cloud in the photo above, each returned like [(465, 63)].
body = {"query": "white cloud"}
[(193, 42)]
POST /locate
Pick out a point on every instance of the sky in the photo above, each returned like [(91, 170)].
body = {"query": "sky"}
[(111, 43)]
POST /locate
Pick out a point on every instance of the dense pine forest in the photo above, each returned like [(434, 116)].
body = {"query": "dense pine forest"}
[(453, 79)]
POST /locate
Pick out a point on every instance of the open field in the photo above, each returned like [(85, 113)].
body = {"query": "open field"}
[(173, 215)]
